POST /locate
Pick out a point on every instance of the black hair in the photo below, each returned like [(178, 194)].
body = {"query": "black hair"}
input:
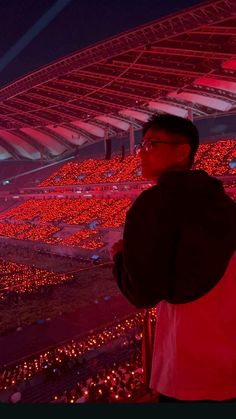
[(176, 125)]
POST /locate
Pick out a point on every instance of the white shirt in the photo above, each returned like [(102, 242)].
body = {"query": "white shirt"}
[(194, 354)]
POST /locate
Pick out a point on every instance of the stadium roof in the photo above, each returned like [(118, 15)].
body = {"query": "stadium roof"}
[(185, 62)]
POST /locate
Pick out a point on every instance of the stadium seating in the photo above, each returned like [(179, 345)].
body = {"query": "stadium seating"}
[(212, 157)]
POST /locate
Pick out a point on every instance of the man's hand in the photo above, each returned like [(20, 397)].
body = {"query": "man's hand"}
[(117, 247)]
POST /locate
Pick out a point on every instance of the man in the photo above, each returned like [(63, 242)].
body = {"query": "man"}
[(178, 250)]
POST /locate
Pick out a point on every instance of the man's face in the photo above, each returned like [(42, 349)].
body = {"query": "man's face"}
[(162, 157)]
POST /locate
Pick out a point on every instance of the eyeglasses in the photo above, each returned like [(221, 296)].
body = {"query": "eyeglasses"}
[(150, 144)]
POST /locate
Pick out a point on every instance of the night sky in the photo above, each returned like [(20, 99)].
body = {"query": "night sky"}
[(80, 24)]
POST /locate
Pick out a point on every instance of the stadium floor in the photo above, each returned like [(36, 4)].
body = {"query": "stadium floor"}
[(37, 338)]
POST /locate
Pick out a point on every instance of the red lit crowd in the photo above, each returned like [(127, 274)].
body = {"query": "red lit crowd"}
[(18, 279), (70, 355), (120, 383), (106, 212), (212, 157), (28, 231), (69, 211), (41, 220), (96, 171)]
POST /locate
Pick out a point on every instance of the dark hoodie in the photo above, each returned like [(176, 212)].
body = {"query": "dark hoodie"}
[(178, 239)]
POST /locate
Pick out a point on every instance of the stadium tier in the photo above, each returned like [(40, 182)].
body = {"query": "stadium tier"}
[(212, 157), (69, 211), (27, 231), (46, 220), (88, 213), (96, 171)]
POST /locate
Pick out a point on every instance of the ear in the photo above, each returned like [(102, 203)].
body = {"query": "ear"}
[(183, 152)]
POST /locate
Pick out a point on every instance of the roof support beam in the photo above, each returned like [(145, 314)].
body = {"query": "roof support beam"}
[(22, 147), (220, 105), (18, 117), (83, 133), (185, 52), (53, 145), (168, 108), (32, 141), (136, 114), (115, 122), (159, 69), (90, 128), (76, 96), (216, 30), (131, 139), (11, 149), (56, 136), (124, 80), (217, 83), (76, 139), (113, 92)]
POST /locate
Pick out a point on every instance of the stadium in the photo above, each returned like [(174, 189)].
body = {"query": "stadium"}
[(69, 173)]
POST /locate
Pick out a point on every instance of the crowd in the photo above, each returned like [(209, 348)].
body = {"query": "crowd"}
[(28, 231), (20, 222), (212, 157), (69, 355), (69, 211), (121, 382), (217, 157), (96, 171), (17, 279), (85, 239), (40, 220)]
